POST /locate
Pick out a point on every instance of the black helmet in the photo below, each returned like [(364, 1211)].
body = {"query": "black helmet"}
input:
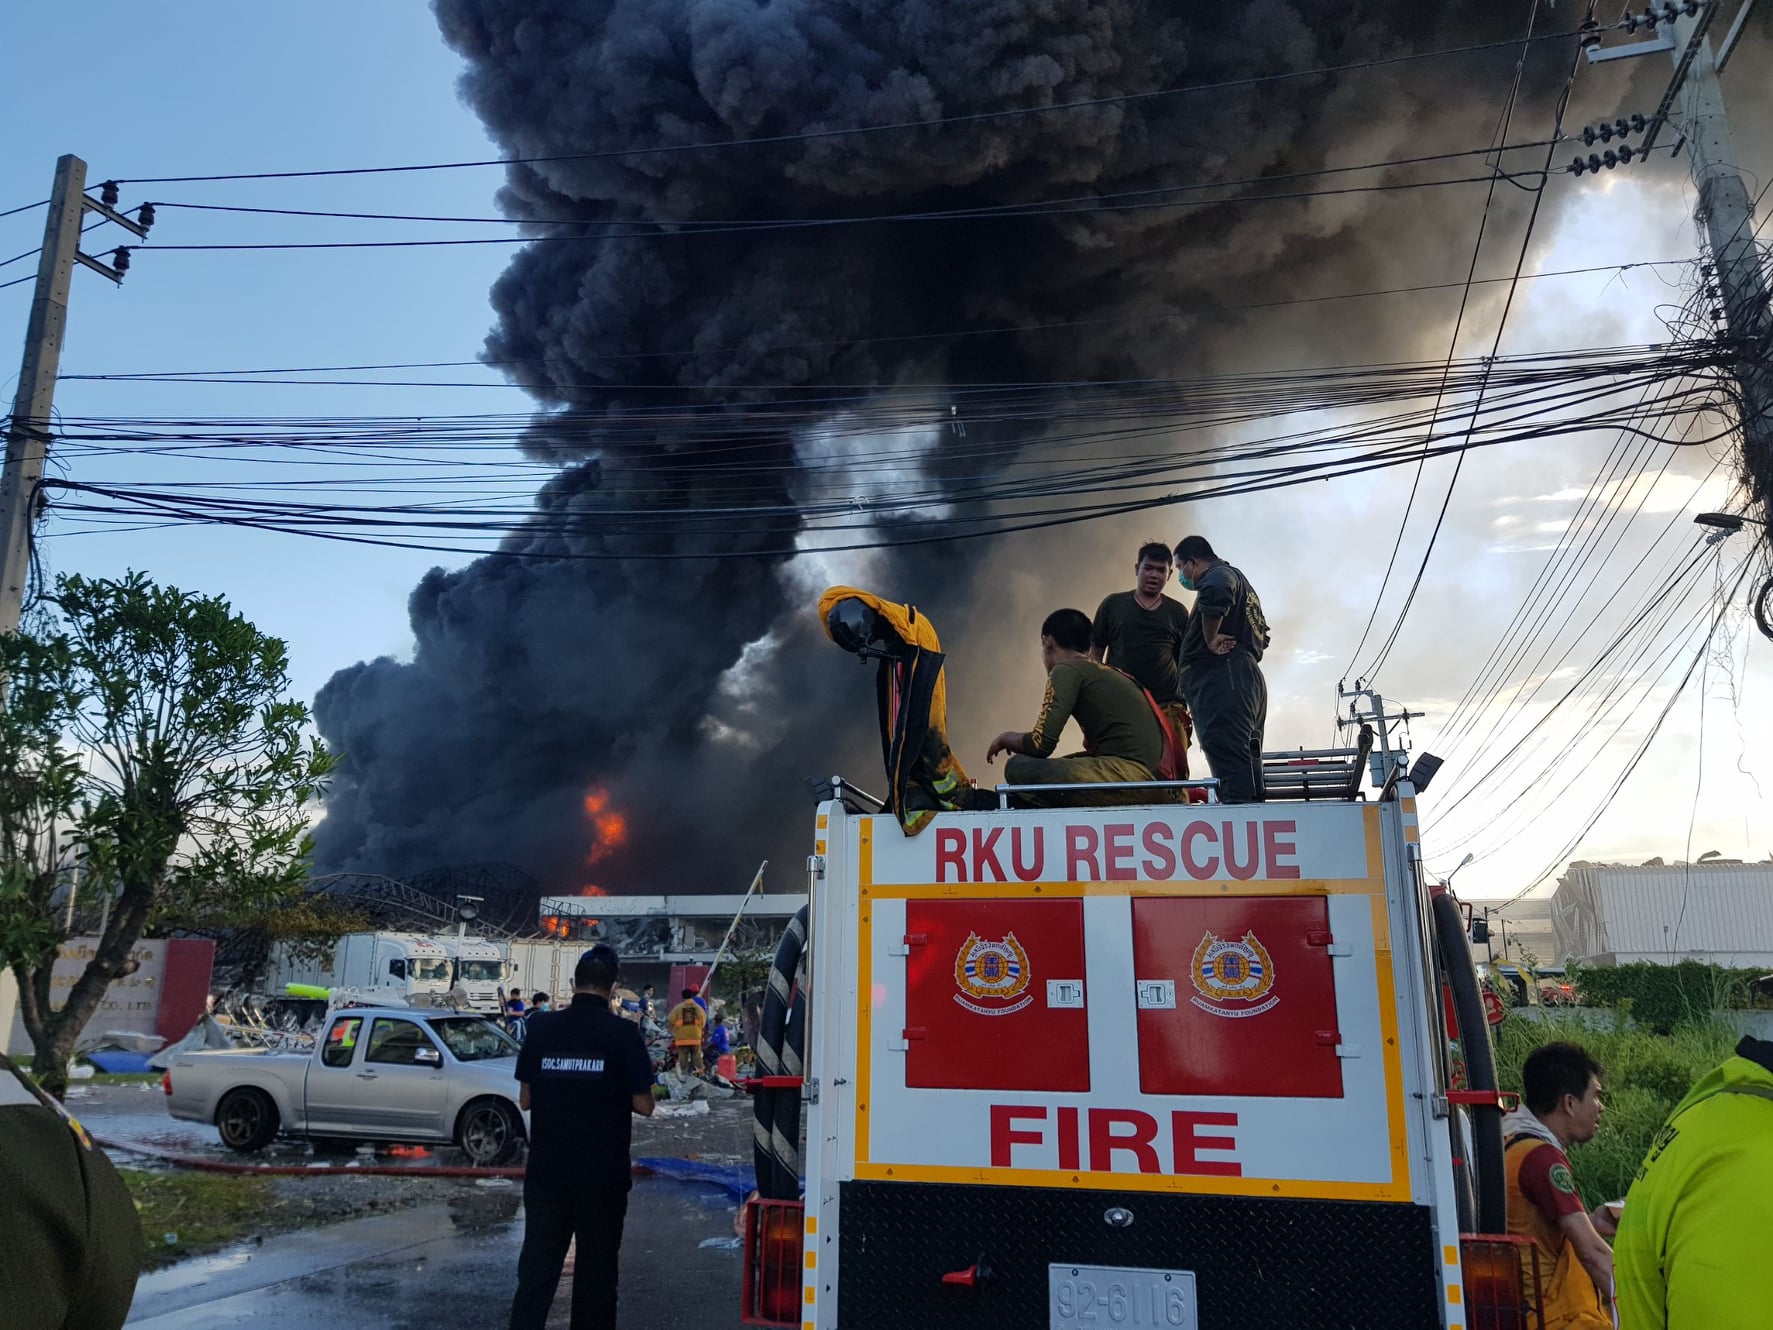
[(855, 627)]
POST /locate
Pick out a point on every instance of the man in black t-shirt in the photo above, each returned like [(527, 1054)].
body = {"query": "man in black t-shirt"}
[(1139, 633), (585, 1071), (1221, 673)]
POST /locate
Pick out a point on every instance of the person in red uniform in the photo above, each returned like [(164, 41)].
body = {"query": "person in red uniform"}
[(1561, 1090)]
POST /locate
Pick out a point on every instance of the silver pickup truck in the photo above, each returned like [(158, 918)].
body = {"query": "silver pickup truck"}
[(376, 1074)]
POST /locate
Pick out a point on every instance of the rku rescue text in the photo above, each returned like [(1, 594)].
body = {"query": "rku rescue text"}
[(1115, 1140), (1153, 851)]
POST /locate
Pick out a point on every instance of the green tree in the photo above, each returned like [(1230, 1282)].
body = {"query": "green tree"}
[(155, 725)]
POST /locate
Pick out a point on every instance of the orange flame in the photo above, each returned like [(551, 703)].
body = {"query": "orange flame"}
[(592, 889), (611, 826)]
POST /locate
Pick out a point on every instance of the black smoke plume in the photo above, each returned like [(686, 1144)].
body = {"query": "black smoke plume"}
[(697, 684)]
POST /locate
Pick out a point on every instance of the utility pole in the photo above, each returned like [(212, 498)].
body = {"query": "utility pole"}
[(27, 437), (1736, 283), (1727, 214)]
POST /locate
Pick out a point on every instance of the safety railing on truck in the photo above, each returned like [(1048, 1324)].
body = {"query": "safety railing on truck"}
[(1297, 775)]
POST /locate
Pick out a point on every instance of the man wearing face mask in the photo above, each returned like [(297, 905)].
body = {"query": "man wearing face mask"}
[(1221, 674)]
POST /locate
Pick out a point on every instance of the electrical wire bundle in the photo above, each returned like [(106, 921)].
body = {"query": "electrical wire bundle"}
[(863, 468)]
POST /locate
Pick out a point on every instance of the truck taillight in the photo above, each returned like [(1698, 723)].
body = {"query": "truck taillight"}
[(166, 1083), (1501, 1282), (772, 1279)]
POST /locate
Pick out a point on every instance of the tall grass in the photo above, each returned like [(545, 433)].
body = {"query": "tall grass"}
[(1647, 1075)]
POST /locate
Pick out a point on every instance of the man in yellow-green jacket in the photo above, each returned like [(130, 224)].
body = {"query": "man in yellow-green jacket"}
[(1693, 1241)]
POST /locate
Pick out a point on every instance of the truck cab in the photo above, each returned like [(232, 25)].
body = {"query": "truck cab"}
[(408, 967), (417, 967), (478, 968), (1167, 1064)]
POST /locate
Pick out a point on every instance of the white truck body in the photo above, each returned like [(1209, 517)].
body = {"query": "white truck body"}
[(544, 967), (409, 965), (1171, 1065)]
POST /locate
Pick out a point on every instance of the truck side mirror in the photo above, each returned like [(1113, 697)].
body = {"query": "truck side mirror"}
[(427, 1057)]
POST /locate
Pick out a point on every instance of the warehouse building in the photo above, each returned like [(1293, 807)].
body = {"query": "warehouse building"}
[(1715, 910)]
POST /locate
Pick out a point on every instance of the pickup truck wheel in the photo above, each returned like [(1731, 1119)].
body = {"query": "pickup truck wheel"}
[(247, 1120), (489, 1132)]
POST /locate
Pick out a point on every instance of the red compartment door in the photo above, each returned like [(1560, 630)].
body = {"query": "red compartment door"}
[(1236, 997), (994, 995)]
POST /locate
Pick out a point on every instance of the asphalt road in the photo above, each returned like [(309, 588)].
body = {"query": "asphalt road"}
[(428, 1269), (449, 1261)]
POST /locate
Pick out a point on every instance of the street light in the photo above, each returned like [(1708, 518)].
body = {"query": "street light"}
[(1467, 859), (1725, 521)]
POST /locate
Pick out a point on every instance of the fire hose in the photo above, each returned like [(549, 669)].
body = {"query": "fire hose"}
[(689, 1170), (1487, 1174), (781, 1043)]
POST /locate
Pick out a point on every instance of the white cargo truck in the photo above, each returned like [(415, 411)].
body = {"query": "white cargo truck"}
[(543, 967), (409, 966)]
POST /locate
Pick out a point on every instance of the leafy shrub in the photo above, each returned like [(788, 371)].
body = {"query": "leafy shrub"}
[(1647, 1075), (1663, 996)]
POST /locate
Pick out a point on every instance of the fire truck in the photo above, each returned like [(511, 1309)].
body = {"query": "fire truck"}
[(1184, 1065)]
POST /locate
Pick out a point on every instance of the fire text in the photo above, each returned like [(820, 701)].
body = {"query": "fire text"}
[(1203, 849), (1113, 1140)]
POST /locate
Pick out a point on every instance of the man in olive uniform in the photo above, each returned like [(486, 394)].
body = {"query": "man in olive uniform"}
[(1221, 670), (1140, 632), (70, 1240), (1123, 738)]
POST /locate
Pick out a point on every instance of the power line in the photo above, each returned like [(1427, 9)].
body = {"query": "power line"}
[(810, 135), (1546, 601), (655, 232), (23, 207), (1495, 346), (1030, 207), (1477, 249), (1643, 746), (955, 506), (240, 375)]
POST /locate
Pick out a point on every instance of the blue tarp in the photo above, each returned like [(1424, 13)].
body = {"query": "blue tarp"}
[(117, 1061), (739, 1180)]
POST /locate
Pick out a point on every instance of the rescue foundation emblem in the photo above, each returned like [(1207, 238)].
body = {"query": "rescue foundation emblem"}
[(992, 976), (1232, 978)]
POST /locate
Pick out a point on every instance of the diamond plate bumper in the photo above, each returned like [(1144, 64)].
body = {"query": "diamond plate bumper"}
[(1283, 1263)]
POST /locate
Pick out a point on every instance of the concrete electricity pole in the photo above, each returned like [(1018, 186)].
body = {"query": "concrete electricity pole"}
[(27, 437), (1736, 284), (1727, 214)]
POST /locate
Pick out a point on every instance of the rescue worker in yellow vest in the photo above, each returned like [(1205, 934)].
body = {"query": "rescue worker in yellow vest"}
[(1561, 1090), (1692, 1248), (688, 1022)]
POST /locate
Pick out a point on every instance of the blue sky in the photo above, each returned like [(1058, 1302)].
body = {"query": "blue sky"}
[(199, 87)]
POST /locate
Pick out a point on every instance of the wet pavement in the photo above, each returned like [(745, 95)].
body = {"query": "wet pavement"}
[(449, 1261), (431, 1269), (136, 1115)]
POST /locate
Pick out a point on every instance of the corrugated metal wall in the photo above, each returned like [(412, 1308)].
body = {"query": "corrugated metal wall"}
[(1721, 913)]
